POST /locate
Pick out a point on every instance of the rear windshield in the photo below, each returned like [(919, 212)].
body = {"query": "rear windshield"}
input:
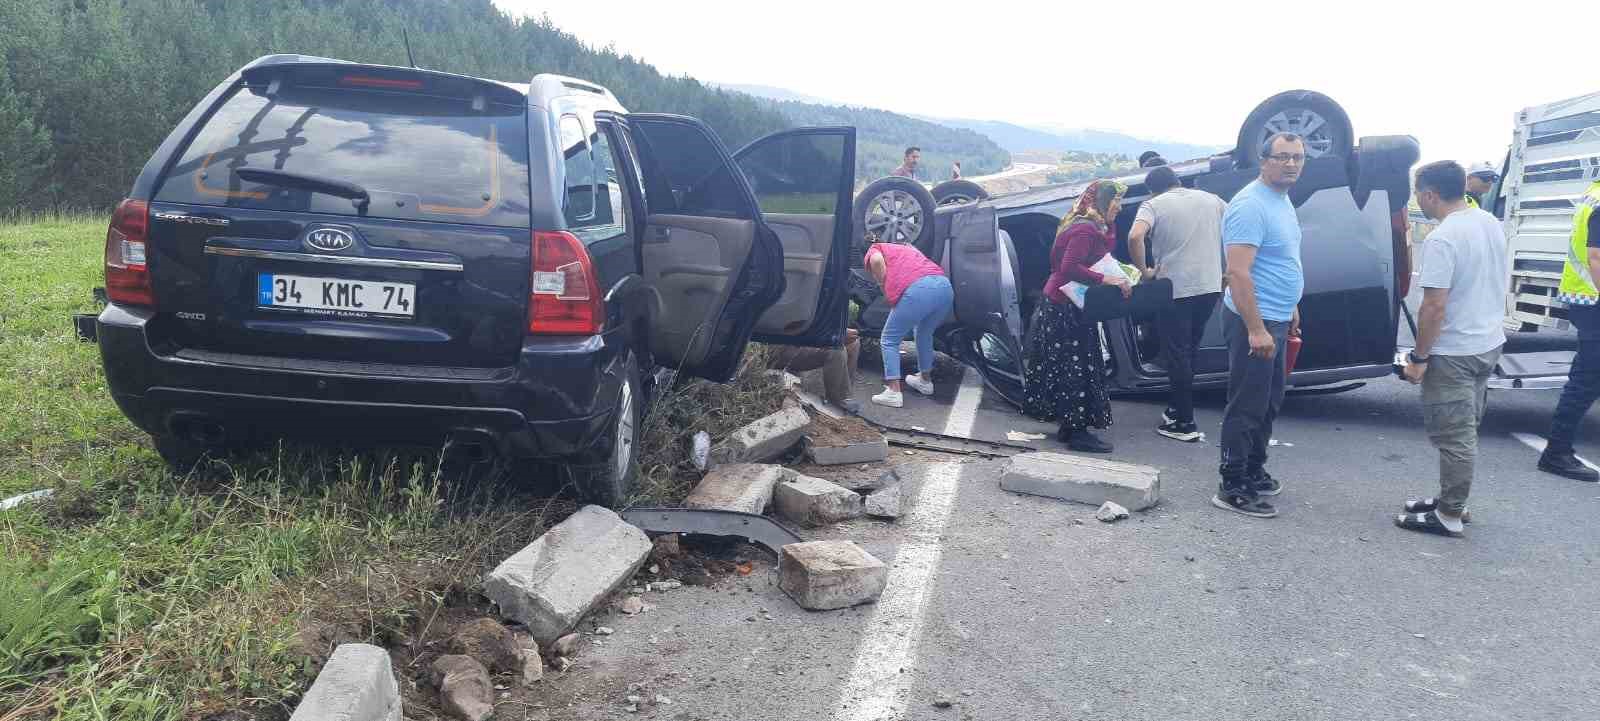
[(418, 156)]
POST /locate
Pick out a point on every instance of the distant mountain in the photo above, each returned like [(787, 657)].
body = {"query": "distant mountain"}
[(1019, 138), (768, 92)]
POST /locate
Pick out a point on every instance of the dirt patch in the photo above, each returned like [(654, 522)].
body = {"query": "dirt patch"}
[(827, 431)]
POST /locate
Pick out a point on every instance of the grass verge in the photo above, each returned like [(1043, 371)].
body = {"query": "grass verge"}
[(134, 594)]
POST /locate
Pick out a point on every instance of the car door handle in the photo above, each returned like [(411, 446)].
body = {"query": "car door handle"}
[(659, 235)]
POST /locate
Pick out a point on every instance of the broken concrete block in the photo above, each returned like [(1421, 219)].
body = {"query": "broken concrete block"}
[(532, 662), (825, 575), (1083, 480), (866, 485), (1111, 512), (764, 439), (555, 581), (853, 452), (357, 684), (744, 487), (884, 502), (566, 646), (814, 502), (464, 688)]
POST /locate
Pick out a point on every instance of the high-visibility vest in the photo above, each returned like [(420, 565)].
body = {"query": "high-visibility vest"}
[(1472, 200), (1577, 284)]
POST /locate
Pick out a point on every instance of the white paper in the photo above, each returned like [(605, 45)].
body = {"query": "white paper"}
[(1107, 266)]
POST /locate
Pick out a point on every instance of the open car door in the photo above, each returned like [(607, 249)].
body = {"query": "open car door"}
[(715, 265), (803, 180), (983, 270)]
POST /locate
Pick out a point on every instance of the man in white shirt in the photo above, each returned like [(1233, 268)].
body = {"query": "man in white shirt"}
[(1459, 338), (1183, 228)]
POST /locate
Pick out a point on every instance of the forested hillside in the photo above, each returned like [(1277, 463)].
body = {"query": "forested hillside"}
[(88, 88)]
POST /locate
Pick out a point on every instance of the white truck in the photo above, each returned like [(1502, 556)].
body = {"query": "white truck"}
[(1554, 158)]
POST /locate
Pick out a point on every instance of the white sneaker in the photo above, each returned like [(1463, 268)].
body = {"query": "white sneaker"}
[(891, 398), (919, 384)]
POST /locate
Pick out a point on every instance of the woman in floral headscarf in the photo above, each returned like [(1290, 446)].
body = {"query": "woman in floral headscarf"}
[(1066, 378)]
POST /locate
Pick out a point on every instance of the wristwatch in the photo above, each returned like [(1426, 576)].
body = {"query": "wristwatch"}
[(1412, 357)]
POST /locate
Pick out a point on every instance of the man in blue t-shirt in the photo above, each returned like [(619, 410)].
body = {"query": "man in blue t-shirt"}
[(1261, 237)]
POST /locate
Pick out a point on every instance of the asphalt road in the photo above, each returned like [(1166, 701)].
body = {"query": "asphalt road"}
[(1026, 608)]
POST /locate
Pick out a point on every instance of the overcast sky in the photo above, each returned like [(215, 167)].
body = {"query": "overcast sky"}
[(1451, 73)]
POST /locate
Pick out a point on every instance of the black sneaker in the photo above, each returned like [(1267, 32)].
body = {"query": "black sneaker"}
[(1186, 432), (1169, 416), (1265, 485), (1086, 442), (1247, 505), (1567, 465)]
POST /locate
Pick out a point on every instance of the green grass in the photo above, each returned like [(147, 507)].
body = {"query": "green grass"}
[(135, 594)]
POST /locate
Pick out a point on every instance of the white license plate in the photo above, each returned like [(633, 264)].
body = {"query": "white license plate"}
[(336, 297)]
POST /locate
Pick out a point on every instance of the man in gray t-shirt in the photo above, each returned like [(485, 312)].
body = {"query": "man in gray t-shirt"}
[(1183, 227), (1459, 338)]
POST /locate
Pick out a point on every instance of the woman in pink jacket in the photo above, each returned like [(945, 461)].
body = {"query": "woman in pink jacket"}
[(920, 297)]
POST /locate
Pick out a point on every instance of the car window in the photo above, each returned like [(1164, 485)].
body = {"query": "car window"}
[(417, 156), (610, 216), (578, 200), (796, 173), (686, 173)]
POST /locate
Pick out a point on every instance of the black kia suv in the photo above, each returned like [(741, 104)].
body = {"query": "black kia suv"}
[(364, 253)]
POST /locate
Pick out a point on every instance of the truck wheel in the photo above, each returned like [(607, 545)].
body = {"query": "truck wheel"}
[(956, 192), (894, 210), (608, 482), (1312, 115)]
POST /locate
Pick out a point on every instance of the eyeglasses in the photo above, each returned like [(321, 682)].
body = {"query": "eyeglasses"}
[(1288, 159)]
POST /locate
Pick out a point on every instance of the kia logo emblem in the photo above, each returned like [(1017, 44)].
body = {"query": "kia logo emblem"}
[(330, 239)]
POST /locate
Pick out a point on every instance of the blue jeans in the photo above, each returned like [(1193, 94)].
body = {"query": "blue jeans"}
[(921, 309)]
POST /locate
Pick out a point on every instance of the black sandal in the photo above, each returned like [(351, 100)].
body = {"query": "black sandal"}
[(1425, 523), (1427, 505)]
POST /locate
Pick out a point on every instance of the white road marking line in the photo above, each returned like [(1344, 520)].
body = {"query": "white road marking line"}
[(964, 412), (876, 687), (1538, 444)]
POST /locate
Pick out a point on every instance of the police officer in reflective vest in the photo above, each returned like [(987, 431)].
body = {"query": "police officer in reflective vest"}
[(1479, 181), (1583, 384)]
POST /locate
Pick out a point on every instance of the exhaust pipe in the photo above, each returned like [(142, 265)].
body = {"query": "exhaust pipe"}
[(471, 445), (198, 429)]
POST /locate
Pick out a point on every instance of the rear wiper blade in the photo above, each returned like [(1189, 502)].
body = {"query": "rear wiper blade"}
[(326, 186)]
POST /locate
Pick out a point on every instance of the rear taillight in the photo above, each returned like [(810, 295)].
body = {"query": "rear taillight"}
[(565, 297), (1399, 224), (127, 248)]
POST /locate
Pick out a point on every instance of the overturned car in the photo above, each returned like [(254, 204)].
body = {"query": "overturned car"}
[(1351, 200)]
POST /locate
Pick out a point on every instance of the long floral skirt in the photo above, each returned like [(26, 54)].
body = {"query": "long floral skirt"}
[(1065, 372)]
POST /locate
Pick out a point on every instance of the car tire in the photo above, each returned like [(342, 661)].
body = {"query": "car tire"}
[(956, 192), (1383, 157), (896, 210), (1292, 111), (610, 482), (180, 454)]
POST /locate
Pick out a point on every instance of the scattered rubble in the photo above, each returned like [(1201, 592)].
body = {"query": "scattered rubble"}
[(1082, 480), (868, 484), (826, 575), (834, 442), (566, 646), (763, 440), (942, 701), (532, 662), (700, 455), (554, 582), (1110, 512), (357, 684), (884, 503), (814, 502), (488, 641), (632, 606), (742, 487), (464, 688)]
